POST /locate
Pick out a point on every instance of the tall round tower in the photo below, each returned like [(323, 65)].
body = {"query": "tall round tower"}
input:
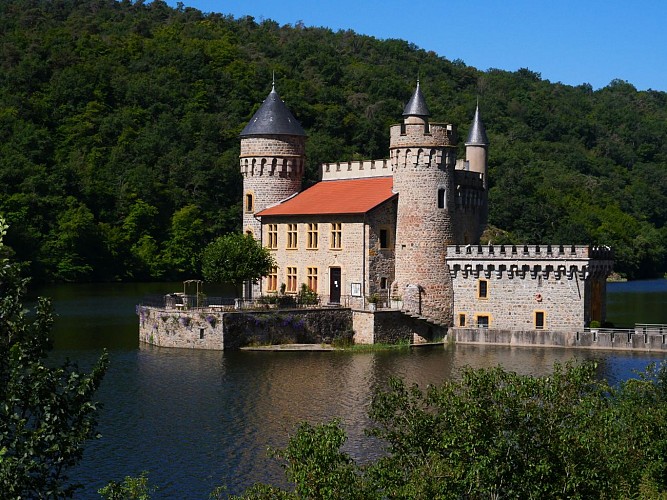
[(477, 156), (272, 159), (423, 158)]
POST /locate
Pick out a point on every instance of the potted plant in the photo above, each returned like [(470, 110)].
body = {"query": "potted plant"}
[(373, 300)]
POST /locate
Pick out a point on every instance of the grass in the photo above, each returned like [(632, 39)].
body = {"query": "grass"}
[(404, 344)]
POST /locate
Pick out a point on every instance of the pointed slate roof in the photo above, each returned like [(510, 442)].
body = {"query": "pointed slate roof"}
[(416, 106), (273, 118), (477, 135)]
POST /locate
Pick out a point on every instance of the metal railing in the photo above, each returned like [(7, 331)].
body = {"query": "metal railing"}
[(179, 301)]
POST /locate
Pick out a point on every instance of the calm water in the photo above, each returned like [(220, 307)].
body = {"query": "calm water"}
[(197, 419)]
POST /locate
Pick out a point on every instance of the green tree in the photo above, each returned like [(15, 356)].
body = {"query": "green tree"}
[(492, 434), (46, 413), (235, 258), (131, 488), (183, 249)]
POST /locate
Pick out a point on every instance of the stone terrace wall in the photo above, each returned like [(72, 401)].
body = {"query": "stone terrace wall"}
[(652, 342), (217, 330), (312, 326), (184, 329), (393, 327)]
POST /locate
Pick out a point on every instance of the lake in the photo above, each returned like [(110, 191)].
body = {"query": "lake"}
[(197, 419)]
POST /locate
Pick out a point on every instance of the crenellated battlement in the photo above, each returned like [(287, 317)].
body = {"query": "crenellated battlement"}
[(355, 169), (529, 261), (286, 167), (410, 135), (531, 251)]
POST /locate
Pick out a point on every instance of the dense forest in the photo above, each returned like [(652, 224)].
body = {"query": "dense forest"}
[(120, 122)]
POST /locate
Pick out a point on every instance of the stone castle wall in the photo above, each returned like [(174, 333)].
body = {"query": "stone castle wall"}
[(411, 135), (393, 327), (272, 170), (521, 281), (360, 257), (381, 261), (355, 169), (349, 258), (424, 160), (606, 340), (184, 329), (273, 146), (218, 330)]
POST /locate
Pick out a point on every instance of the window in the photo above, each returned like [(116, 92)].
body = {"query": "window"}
[(291, 280), (539, 320), (462, 320), (336, 235), (249, 202), (311, 274), (482, 289), (384, 238), (272, 280), (441, 198), (291, 236), (383, 283), (313, 237), (248, 232), (482, 321), (273, 236)]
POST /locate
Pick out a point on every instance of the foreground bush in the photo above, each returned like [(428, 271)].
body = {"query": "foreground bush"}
[(496, 434), (47, 413)]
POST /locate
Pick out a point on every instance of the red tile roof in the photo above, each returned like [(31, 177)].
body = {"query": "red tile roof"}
[(346, 196)]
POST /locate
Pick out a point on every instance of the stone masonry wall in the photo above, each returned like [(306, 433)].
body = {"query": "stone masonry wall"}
[(272, 168), (282, 145), (184, 329), (393, 327), (423, 165), (522, 281), (217, 330), (355, 169), (512, 303), (381, 261), (299, 326), (653, 341), (350, 257)]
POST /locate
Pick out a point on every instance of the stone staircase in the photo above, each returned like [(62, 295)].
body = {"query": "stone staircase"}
[(426, 319)]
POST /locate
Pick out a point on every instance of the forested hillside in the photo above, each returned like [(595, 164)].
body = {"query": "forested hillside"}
[(119, 127)]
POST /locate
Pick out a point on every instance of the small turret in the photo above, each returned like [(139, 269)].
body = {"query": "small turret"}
[(477, 146), (477, 158)]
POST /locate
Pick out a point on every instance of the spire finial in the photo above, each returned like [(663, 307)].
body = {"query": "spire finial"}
[(416, 106), (273, 81)]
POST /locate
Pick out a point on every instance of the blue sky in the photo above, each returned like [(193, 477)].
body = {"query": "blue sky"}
[(571, 41)]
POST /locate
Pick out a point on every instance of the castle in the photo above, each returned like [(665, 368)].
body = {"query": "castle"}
[(405, 231)]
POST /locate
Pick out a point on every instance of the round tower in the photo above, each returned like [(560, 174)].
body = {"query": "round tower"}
[(272, 159), (477, 156), (423, 157)]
